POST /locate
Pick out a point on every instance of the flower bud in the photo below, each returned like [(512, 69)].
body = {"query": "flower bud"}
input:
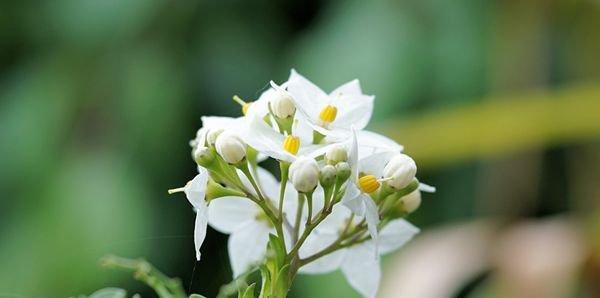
[(401, 169), (282, 104), (231, 148), (337, 153), (343, 171), (411, 202), (304, 174), (327, 177), (212, 135), (203, 156)]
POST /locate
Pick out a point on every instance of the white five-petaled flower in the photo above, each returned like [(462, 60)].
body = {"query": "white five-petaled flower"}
[(334, 113), (357, 262)]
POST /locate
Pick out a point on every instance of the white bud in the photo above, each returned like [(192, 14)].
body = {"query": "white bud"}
[(230, 147), (411, 202), (203, 156), (401, 169), (304, 174), (337, 153), (282, 104), (212, 135), (328, 175)]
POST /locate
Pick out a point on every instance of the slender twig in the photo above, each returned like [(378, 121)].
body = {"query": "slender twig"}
[(143, 271)]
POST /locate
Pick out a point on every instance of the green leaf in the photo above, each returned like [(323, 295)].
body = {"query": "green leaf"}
[(249, 293), (280, 284), (276, 250), (196, 296), (266, 281)]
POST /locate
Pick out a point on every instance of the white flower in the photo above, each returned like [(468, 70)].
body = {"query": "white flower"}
[(270, 142), (332, 113), (195, 191), (358, 263), (230, 147), (401, 169), (248, 226), (304, 174)]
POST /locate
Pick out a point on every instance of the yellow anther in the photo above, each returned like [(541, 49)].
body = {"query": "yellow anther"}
[(245, 108), (368, 183), (291, 144), (328, 114), (245, 105)]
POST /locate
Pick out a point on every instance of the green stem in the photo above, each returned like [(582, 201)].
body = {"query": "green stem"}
[(284, 168), (298, 217)]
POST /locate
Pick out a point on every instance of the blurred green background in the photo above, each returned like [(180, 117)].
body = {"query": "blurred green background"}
[(499, 101)]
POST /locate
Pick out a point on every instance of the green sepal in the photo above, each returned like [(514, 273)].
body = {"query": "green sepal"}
[(318, 137), (215, 190)]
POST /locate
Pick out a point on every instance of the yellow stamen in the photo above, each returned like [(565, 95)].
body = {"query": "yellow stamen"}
[(291, 144), (368, 183), (245, 105), (328, 114)]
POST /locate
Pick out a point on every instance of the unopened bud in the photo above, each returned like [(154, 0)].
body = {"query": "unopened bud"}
[(231, 148), (282, 104), (401, 171), (212, 135), (411, 202), (327, 177), (203, 156), (337, 153), (343, 171), (304, 174)]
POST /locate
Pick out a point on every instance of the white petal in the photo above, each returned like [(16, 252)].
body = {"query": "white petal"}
[(314, 244), (362, 270), (247, 247), (352, 199), (372, 217), (426, 188), (352, 88), (353, 110), (264, 139), (395, 234), (353, 156), (309, 98), (212, 122), (374, 164), (268, 183), (200, 229), (371, 143), (260, 107), (228, 214), (195, 190)]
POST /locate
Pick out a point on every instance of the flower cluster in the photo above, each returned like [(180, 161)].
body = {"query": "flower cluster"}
[(341, 198)]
